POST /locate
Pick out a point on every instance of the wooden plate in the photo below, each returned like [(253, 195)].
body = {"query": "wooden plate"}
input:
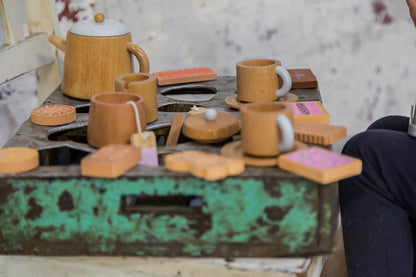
[(235, 150), (53, 115), (233, 102)]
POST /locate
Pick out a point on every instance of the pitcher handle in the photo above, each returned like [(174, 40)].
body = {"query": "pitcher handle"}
[(287, 81), (140, 56), (288, 135)]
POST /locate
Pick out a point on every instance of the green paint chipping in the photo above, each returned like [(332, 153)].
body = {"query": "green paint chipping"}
[(234, 208)]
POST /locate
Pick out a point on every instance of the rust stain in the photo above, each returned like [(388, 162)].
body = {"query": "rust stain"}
[(69, 12), (271, 188), (35, 210), (275, 213), (66, 202), (28, 190), (381, 12), (5, 191), (273, 230), (40, 230)]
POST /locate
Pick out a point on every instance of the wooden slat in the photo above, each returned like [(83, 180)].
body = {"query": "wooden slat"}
[(12, 20), (24, 56), (41, 16), (158, 267)]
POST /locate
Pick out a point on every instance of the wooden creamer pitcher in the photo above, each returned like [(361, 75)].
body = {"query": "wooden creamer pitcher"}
[(96, 52)]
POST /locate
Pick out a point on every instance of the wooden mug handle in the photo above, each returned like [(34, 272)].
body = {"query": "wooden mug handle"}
[(140, 55), (288, 135)]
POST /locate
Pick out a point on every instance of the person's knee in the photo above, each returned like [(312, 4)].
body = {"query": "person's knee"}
[(391, 122), (356, 145)]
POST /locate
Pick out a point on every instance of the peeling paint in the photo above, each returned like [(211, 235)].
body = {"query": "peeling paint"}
[(381, 12)]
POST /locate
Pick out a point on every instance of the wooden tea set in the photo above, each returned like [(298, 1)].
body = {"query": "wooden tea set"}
[(260, 123)]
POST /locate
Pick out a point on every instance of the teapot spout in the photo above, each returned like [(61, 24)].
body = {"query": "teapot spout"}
[(58, 42)]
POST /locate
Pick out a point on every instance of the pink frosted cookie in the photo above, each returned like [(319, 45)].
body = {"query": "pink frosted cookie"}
[(320, 165), (311, 111)]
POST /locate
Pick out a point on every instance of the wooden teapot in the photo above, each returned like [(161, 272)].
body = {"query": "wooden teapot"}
[(96, 52)]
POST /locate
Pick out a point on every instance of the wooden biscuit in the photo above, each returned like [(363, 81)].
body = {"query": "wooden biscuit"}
[(303, 78), (320, 165), (53, 115), (18, 159), (204, 165), (181, 76), (311, 111), (318, 133), (110, 161)]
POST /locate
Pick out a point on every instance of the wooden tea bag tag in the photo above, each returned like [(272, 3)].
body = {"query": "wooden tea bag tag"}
[(146, 141)]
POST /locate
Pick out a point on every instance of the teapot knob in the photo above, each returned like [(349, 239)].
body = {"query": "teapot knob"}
[(99, 17)]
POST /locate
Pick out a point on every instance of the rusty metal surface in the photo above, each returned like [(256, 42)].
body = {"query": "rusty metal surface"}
[(53, 210)]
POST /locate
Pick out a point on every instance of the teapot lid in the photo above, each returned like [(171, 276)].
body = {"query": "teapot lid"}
[(99, 27)]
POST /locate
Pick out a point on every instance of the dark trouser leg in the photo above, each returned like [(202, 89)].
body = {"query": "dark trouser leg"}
[(376, 205)]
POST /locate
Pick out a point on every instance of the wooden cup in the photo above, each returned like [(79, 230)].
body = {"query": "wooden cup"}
[(142, 84), (112, 120), (267, 128), (257, 80)]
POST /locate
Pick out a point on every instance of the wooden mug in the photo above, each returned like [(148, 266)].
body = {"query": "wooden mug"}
[(267, 128), (257, 80), (112, 120), (142, 84)]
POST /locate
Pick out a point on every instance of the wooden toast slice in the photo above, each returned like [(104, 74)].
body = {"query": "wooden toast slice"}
[(320, 165)]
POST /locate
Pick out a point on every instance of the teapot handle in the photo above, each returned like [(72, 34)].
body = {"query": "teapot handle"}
[(140, 55)]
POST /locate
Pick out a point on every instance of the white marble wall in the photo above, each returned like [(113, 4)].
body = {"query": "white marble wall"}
[(362, 51)]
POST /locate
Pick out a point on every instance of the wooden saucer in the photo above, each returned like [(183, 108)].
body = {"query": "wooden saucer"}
[(18, 159), (235, 150), (53, 115), (233, 102)]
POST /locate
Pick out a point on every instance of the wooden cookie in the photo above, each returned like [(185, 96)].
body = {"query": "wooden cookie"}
[(303, 78), (311, 111), (52, 115), (18, 159), (204, 165), (320, 165), (318, 133), (110, 161), (190, 75)]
